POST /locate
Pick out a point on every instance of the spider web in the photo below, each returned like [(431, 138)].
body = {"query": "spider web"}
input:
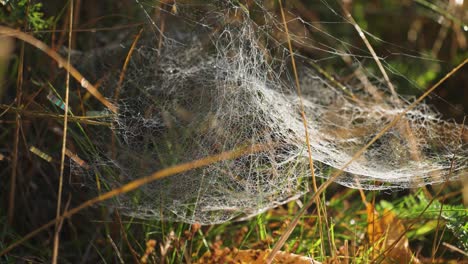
[(220, 80)]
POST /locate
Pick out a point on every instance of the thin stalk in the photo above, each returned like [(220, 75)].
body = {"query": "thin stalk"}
[(306, 128), (61, 62), (58, 224), (322, 187), (14, 167), (164, 173)]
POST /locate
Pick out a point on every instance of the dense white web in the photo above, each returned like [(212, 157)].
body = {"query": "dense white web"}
[(220, 81)]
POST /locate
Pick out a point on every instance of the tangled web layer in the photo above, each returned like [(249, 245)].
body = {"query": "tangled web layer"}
[(214, 87)]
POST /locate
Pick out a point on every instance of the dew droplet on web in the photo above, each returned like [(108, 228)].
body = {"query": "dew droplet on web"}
[(212, 92), (84, 83)]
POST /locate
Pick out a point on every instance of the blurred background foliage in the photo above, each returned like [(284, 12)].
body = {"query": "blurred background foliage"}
[(419, 41)]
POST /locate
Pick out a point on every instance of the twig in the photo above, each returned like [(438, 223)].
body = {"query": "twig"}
[(125, 65), (322, 187), (124, 235), (301, 103), (454, 248), (374, 55), (306, 128), (228, 155), (61, 62), (441, 11), (331, 79), (64, 142), (92, 30), (14, 167), (442, 35), (119, 84), (80, 119), (452, 162), (114, 246)]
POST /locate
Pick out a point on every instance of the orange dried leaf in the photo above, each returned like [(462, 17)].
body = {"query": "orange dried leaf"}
[(252, 256), (387, 235), (150, 245)]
